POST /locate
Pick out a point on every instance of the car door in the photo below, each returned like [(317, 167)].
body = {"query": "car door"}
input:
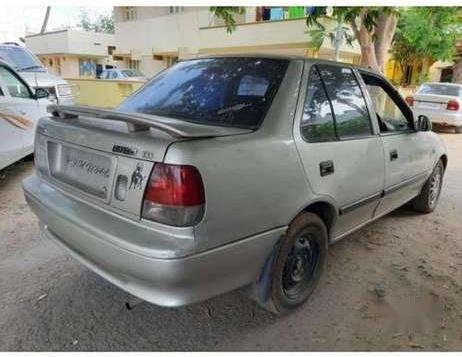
[(339, 145), (408, 155), (11, 147), (25, 105)]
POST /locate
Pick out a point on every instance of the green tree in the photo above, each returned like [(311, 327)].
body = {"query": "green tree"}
[(373, 27), (426, 35), (103, 23)]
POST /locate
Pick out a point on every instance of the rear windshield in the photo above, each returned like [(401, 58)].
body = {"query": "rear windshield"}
[(216, 91), (440, 89)]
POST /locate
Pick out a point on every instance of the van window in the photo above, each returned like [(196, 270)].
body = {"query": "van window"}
[(216, 91), (350, 111), (15, 86), (317, 121)]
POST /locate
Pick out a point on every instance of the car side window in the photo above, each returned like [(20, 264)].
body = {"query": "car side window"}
[(390, 112), (15, 86), (114, 75), (348, 103), (317, 123)]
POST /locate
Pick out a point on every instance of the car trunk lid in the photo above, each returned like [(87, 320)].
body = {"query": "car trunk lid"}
[(105, 157), (432, 101)]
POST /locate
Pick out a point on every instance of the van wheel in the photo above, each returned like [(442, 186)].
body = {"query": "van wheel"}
[(427, 200), (299, 264), (458, 129)]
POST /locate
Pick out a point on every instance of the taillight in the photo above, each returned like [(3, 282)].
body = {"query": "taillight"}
[(174, 195), (410, 100), (452, 105)]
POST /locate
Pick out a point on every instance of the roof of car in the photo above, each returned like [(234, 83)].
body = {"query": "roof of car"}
[(286, 57)]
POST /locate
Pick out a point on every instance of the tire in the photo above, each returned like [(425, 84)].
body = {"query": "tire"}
[(298, 265), (428, 198), (458, 129)]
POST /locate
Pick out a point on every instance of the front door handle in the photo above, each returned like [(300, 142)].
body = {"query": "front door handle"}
[(393, 155), (326, 167)]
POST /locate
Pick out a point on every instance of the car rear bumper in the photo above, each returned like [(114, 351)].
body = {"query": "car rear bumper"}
[(166, 282), (441, 117)]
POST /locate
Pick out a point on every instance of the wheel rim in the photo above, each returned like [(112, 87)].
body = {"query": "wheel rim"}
[(435, 187), (300, 266)]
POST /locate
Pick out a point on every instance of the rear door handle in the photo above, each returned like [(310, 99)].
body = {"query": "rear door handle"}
[(393, 155), (326, 167)]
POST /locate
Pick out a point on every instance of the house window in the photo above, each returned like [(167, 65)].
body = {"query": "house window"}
[(176, 9), (110, 50), (130, 13), (87, 67)]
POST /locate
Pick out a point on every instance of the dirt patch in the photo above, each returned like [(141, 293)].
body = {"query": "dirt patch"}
[(394, 285)]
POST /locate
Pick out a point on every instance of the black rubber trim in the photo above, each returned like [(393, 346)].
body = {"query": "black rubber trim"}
[(364, 201), (403, 184)]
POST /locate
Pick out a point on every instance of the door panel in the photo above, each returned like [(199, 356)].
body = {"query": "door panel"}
[(11, 146), (342, 156), (26, 108), (407, 153), (31, 110)]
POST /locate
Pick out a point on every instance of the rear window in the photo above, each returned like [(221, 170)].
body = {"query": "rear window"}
[(440, 89), (216, 91)]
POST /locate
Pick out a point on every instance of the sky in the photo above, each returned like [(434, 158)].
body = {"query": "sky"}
[(60, 16), (18, 20)]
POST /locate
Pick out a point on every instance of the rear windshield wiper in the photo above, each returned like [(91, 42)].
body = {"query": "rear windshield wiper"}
[(233, 108)]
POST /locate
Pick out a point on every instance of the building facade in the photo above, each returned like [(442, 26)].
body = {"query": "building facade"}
[(71, 53), (151, 38)]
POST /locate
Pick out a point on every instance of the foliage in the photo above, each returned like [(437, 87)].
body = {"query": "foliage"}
[(426, 33), (103, 23), (227, 14)]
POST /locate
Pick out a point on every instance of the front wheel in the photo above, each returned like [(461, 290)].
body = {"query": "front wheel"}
[(299, 264), (428, 198), (458, 129)]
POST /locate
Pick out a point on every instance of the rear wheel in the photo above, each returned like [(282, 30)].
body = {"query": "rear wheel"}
[(428, 198), (299, 264)]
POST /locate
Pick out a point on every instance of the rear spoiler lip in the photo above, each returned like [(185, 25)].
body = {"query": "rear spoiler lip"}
[(143, 122)]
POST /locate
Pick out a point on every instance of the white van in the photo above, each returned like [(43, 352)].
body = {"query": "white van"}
[(32, 70)]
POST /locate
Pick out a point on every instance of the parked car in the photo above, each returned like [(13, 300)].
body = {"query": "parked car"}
[(35, 74), (121, 74), (441, 102), (229, 172), (20, 109)]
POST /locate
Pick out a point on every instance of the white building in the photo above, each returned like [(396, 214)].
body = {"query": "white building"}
[(72, 53), (151, 38)]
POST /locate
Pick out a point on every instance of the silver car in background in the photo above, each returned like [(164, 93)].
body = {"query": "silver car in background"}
[(36, 75), (229, 172), (122, 74), (440, 102)]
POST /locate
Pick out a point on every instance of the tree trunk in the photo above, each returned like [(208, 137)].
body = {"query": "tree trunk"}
[(364, 38), (457, 71), (384, 32), (45, 20)]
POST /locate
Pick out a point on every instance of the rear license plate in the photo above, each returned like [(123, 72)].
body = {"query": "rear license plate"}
[(88, 171)]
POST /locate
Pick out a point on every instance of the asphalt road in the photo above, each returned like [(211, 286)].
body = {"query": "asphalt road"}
[(48, 301)]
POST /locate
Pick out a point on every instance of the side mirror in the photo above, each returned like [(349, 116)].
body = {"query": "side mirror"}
[(423, 123), (41, 93)]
